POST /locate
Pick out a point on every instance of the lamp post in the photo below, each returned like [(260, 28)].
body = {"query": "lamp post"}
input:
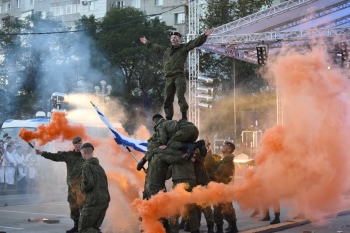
[(101, 92)]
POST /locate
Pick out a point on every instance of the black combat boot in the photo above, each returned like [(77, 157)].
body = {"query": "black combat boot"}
[(277, 219), (266, 217), (165, 224), (182, 224), (75, 227), (169, 118), (229, 227), (232, 227), (187, 227), (219, 228), (189, 147), (202, 148), (210, 227)]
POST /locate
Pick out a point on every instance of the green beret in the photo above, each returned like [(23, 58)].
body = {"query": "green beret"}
[(86, 145), (76, 139)]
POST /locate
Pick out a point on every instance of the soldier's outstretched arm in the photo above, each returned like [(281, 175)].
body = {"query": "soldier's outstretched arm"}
[(199, 41), (60, 156)]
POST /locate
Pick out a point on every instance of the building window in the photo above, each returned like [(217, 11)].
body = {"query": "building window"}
[(31, 2), (120, 4), (92, 6), (136, 3), (8, 6), (64, 8), (179, 18), (18, 3), (159, 2)]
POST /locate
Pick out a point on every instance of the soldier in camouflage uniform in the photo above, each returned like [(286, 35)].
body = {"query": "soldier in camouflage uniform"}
[(202, 178), (95, 189), (222, 172), (73, 160), (174, 58)]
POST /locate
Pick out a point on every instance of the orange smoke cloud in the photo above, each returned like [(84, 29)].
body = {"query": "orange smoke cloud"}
[(58, 128), (305, 161), (125, 183)]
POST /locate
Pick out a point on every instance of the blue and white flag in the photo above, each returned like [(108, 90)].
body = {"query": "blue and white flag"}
[(121, 140)]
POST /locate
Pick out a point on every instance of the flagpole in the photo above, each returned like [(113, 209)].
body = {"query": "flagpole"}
[(144, 169), (127, 147)]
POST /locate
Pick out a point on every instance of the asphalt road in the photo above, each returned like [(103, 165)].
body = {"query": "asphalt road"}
[(14, 218), (15, 211)]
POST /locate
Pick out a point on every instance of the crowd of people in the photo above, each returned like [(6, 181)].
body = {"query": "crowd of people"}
[(17, 166)]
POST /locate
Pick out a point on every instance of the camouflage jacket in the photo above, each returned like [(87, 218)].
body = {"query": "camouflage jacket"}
[(94, 185), (202, 177), (73, 161), (165, 129), (152, 144), (211, 164), (174, 57), (225, 170)]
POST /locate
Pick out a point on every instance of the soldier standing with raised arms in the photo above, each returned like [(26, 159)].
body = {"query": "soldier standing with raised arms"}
[(174, 58)]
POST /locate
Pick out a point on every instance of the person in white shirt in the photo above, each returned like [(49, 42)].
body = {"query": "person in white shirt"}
[(2, 170), (20, 157), (10, 166), (30, 170), (8, 142)]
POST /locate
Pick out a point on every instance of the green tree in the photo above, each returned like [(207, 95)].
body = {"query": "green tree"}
[(33, 62), (119, 37)]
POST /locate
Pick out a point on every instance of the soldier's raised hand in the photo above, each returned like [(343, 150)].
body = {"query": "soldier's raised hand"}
[(207, 31), (143, 40)]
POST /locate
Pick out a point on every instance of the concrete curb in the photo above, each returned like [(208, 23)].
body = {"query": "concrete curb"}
[(278, 227), (288, 224)]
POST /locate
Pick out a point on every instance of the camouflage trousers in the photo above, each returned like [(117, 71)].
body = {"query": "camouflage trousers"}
[(75, 199), (175, 84), (224, 211), (186, 132), (189, 212), (207, 212), (91, 218)]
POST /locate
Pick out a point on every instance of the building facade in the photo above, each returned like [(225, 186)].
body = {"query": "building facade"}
[(172, 12)]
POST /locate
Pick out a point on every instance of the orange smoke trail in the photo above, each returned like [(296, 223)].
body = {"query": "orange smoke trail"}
[(58, 128), (304, 162)]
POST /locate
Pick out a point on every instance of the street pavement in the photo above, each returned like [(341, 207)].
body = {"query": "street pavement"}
[(15, 210)]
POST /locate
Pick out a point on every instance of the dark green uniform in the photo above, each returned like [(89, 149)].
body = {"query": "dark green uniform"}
[(95, 189), (224, 174), (173, 133), (174, 59), (73, 161), (202, 178)]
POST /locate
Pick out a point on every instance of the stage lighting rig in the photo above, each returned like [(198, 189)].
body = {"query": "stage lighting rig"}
[(262, 54), (204, 92)]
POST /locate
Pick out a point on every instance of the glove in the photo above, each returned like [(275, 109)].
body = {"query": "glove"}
[(140, 164)]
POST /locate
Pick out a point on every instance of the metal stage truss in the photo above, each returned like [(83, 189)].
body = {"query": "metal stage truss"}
[(295, 23)]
